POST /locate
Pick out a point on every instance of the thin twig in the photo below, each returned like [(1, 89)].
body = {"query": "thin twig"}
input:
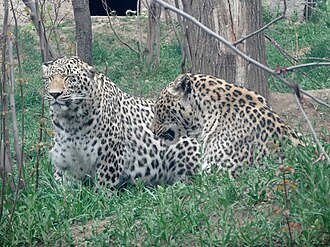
[(10, 62), (310, 126), (289, 230), (314, 58), (4, 98), (173, 29), (307, 65), (321, 102), (287, 211), (53, 21), (46, 55), (19, 154), (105, 6), (185, 44), (4, 109), (289, 57), (281, 49), (265, 26), (11, 80)]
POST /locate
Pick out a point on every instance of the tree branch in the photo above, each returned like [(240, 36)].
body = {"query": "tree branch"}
[(307, 65), (264, 27), (288, 56), (293, 86), (310, 126), (314, 58), (281, 49), (230, 45)]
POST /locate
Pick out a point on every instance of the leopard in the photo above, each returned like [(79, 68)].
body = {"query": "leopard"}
[(235, 126), (104, 135)]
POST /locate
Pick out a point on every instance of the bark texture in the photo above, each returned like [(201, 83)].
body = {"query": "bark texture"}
[(152, 50), (232, 20), (83, 23)]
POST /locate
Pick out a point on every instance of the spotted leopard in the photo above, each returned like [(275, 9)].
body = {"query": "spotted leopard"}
[(236, 126), (104, 133)]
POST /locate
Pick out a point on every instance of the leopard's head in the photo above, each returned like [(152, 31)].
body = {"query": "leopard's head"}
[(67, 82), (175, 111)]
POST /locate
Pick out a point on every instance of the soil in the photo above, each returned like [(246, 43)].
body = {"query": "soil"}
[(285, 105)]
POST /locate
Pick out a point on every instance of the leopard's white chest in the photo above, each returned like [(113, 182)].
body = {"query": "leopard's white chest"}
[(75, 153)]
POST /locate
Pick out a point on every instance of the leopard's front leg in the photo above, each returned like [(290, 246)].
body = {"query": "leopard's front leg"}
[(109, 169)]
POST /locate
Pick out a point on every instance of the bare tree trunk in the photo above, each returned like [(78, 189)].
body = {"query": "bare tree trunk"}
[(152, 50), (6, 163), (232, 20), (12, 82), (84, 36)]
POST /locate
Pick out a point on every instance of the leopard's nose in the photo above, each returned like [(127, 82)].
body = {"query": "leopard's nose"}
[(55, 95)]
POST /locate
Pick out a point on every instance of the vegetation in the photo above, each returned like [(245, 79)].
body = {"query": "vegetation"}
[(286, 204), (302, 42)]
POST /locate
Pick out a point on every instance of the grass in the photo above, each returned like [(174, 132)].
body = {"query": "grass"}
[(301, 40), (213, 210)]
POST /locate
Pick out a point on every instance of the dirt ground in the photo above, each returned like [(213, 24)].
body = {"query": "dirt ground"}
[(285, 105)]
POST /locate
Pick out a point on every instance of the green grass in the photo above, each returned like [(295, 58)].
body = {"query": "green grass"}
[(301, 40), (213, 210)]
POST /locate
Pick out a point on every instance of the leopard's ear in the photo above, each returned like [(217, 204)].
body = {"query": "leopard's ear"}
[(45, 65), (91, 71), (181, 86)]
